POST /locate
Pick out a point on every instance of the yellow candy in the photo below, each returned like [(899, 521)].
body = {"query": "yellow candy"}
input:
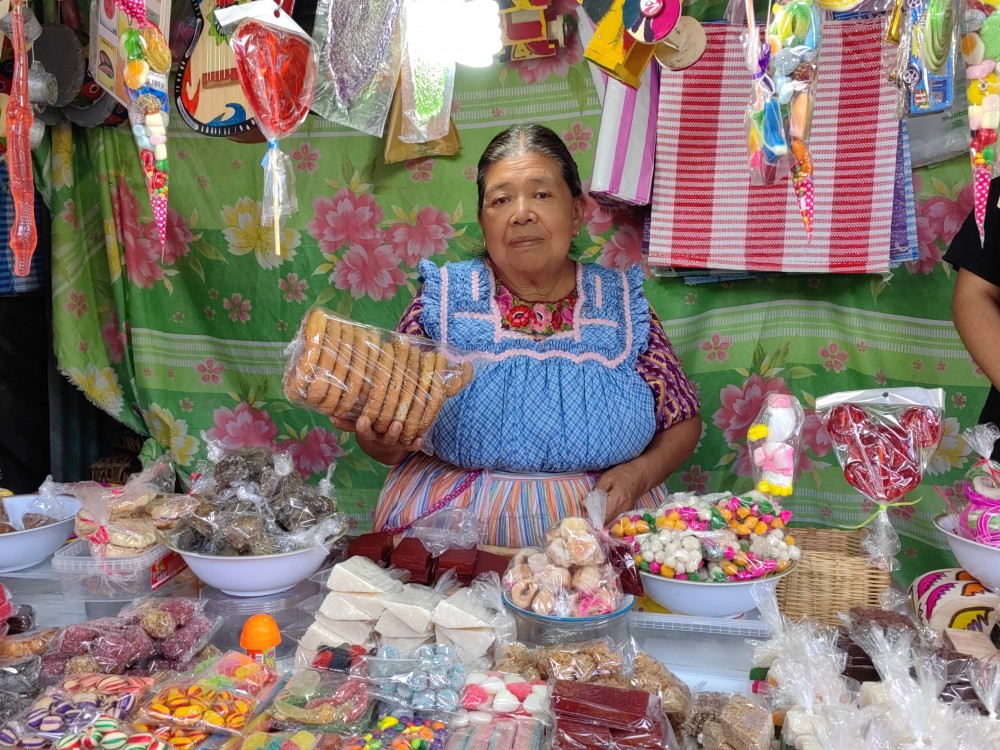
[(214, 718), (661, 522), (666, 571), (641, 527), (181, 741), (245, 671), (617, 529), (782, 566), (156, 50), (236, 721), (729, 569), (789, 540), (742, 512), (742, 529), (387, 722), (136, 73), (188, 714), (160, 709), (979, 90), (760, 528)]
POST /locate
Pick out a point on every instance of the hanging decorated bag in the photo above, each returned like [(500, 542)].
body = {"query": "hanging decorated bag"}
[(706, 214)]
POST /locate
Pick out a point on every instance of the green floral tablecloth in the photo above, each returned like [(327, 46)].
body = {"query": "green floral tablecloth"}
[(187, 345)]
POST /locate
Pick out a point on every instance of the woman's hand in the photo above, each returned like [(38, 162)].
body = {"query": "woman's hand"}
[(624, 484), (387, 449)]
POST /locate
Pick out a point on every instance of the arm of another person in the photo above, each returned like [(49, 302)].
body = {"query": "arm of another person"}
[(387, 449), (975, 309), (678, 425)]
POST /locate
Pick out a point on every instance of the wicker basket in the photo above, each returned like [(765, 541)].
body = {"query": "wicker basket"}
[(832, 576), (114, 469)]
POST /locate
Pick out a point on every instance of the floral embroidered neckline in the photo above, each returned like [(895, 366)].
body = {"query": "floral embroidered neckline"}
[(535, 318)]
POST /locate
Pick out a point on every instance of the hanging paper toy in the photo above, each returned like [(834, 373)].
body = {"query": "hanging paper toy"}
[(614, 50), (981, 51), (23, 234), (793, 36), (147, 63), (276, 64)]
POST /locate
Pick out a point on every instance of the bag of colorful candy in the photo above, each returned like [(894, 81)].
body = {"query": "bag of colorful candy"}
[(977, 514), (429, 678), (508, 695), (292, 740), (344, 369), (884, 439), (254, 502), (502, 732), (402, 730), (322, 701), (219, 699)]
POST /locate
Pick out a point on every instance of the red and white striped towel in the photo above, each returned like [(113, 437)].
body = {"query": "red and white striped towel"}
[(705, 212)]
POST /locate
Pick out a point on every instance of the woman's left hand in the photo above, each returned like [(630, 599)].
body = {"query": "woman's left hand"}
[(624, 484)]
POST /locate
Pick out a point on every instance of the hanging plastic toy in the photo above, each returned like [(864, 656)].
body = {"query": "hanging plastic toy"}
[(276, 64), (767, 143), (147, 64), (23, 234), (981, 52)]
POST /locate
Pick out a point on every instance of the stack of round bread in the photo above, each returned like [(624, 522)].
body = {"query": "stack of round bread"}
[(348, 371)]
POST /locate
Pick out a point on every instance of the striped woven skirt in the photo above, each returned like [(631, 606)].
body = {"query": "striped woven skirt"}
[(515, 510)]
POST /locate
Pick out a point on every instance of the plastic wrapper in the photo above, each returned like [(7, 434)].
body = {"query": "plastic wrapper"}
[(299, 740), (337, 658), (502, 733), (430, 678), (981, 56), (31, 643), (774, 439), (977, 516), (475, 622), (767, 140), (571, 576), (113, 519), (322, 701), (449, 528), (276, 64), (347, 370), (220, 698), (427, 78), (253, 502), (984, 676), (597, 716), (400, 731), (21, 675), (360, 51), (21, 620), (884, 440), (49, 506), (11, 704), (504, 694), (922, 66)]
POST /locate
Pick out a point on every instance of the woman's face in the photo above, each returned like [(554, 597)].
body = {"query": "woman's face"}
[(529, 216)]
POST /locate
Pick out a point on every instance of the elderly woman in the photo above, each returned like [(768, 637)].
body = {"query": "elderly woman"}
[(577, 384)]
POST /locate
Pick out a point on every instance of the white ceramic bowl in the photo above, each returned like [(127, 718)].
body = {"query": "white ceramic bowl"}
[(981, 560), (256, 575), (22, 549), (707, 599)]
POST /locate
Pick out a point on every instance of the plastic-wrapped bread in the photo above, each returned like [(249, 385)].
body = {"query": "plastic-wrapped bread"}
[(345, 369)]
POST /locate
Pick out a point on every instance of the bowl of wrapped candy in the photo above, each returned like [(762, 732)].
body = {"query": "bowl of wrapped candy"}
[(32, 527), (703, 556)]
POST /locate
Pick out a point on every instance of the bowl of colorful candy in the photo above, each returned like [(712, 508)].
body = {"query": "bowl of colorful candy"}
[(698, 598), (981, 560)]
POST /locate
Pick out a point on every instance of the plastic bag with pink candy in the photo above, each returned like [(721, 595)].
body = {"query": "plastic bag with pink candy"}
[(573, 575), (884, 439)]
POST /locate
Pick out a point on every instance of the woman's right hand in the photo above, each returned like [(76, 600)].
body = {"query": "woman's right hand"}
[(385, 448)]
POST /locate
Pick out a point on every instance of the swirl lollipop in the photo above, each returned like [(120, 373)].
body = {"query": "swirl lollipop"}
[(277, 69)]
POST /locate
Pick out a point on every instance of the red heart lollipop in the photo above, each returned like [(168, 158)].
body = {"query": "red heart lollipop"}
[(277, 70), (924, 425), (846, 420)]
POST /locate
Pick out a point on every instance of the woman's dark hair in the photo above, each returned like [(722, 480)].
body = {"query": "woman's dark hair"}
[(528, 138)]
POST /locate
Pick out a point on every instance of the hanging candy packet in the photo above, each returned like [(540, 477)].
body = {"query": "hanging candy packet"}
[(981, 52), (767, 142), (793, 35), (774, 439), (884, 439), (427, 77), (276, 63), (977, 517), (147, 65), (922, 48)]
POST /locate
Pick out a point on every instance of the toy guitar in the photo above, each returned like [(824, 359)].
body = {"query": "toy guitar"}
[(207, 89)]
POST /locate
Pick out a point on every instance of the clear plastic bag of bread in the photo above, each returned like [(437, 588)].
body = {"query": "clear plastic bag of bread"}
[(574, 575), (345, 369)]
